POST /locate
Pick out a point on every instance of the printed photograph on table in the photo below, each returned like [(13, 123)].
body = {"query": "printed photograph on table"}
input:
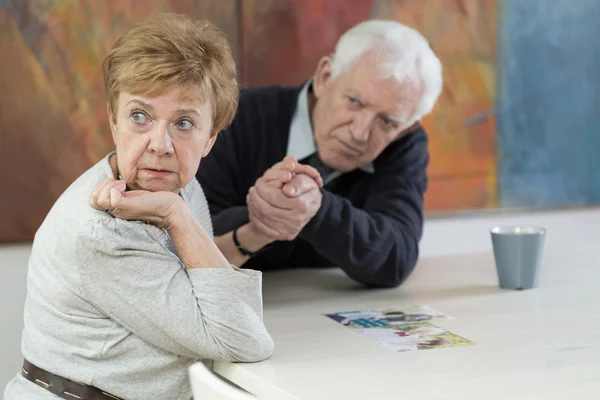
[(369, 318), (414, 336)]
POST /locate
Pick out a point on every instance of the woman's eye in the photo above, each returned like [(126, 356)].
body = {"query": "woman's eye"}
[(139, 117), (184, 124)]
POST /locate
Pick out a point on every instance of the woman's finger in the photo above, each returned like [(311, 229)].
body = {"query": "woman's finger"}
[(97, 190), (101, 185), (134, 193), (103, 198), (116, 199)]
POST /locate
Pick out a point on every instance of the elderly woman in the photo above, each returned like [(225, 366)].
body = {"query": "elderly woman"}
[(120, 303)]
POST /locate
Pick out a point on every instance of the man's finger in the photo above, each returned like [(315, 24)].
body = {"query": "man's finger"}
[(266, 230), (275, 197), (276, 218), (288, 163), (277, 184), (263, 208), (267, 216), (276, 174), (310, 171), (299, 185)]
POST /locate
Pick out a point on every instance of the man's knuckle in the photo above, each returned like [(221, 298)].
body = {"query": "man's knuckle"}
[(290, 236), (302, 207)]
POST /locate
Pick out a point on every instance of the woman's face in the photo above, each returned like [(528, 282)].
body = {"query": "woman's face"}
[(160, 140)]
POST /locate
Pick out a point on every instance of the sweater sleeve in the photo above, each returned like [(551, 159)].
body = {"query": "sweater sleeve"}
[(255, 141), (220, 178), (378, 244), (130, 275)]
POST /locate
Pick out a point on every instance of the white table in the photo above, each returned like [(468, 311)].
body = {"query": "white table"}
[(535, 344)]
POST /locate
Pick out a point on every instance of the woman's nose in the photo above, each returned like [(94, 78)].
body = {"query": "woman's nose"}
[(160, 142)]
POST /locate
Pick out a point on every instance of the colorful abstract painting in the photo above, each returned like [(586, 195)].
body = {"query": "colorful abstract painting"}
[(53, 123), (515, 124)]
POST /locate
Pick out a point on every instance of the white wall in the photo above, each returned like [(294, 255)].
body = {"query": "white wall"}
[(13, 266), (442, 236), (467, 234)]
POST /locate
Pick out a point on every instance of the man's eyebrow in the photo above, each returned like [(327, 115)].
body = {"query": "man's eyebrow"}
[(353, 93), (395, 120), (356, 95)]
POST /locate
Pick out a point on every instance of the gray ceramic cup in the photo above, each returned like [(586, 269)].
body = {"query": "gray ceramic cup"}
[(518, 252)]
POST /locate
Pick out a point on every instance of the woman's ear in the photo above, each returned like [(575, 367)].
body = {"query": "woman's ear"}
[(112, 122), (209, 144), (322, 75)]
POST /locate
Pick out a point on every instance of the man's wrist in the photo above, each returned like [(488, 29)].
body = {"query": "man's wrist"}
[(251, 239)]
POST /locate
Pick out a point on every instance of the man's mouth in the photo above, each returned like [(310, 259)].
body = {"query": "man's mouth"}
[(350, 150)]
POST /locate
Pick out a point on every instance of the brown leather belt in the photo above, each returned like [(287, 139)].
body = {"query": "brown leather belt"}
[(62, 387)]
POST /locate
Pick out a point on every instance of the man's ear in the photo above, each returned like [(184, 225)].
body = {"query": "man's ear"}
[(112, 122), (411, 128), (322, 75)]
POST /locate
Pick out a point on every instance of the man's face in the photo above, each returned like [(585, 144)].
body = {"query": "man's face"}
[(359, 113)]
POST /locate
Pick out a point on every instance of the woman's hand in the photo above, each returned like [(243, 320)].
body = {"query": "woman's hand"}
[(158, 208), (166, 210)]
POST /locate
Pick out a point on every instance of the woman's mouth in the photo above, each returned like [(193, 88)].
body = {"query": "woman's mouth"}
[(157, 173)]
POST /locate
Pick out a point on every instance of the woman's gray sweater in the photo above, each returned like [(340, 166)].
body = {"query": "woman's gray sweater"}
[(110, 304)]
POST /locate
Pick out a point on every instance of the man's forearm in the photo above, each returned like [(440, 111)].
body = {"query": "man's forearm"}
[(248, 238), (372, 248), (228, 219)]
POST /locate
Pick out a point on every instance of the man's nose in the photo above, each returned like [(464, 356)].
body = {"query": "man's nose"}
[(361, 128)]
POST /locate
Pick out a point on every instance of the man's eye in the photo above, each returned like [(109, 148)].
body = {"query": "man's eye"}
[(353, 100), (185, 124), (139, 117), (388, 122)]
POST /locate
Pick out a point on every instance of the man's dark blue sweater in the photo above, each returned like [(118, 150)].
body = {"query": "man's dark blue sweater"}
[(370, 225)]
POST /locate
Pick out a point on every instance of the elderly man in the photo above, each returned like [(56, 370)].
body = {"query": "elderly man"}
[(355, 125)]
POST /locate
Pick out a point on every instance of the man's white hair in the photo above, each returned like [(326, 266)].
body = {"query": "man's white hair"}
[(402, 53)]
